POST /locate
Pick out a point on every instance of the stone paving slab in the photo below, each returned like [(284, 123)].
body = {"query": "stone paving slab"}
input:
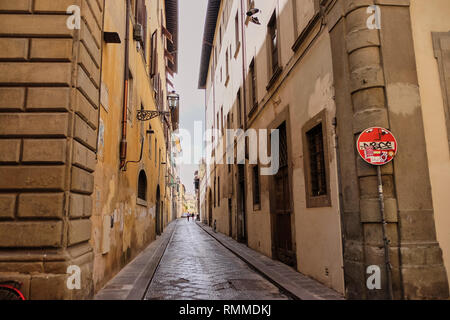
[(131, 282), (286, 278)]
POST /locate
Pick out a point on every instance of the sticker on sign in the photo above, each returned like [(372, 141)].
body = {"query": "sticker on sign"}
[(377, 146)]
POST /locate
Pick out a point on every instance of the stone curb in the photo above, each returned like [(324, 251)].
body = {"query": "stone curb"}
[(297, 285), (132, 282)]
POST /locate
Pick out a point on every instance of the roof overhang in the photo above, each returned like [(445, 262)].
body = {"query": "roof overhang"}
[(208, 37), (172, 27)]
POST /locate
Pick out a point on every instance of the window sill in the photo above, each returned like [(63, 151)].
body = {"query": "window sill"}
[(274, 78), (318, 202), (141, 202)]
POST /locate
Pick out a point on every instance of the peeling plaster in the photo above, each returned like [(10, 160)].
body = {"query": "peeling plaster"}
[(403, 98), (322, 97)]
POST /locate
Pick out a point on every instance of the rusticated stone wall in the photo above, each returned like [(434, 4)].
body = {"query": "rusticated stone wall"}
[(49, 98), (376, 85)]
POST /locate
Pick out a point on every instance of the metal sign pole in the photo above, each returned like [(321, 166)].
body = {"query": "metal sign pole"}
[(385, 239)]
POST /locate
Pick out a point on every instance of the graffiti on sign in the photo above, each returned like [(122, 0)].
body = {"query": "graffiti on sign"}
[(377, 146)]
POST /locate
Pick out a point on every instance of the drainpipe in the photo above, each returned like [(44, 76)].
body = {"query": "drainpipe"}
[(123, 142)]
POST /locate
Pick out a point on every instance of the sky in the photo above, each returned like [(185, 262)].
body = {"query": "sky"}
[(192, 100)]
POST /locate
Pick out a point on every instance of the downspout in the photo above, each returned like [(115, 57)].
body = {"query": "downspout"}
[(244, 95), (123, 142)]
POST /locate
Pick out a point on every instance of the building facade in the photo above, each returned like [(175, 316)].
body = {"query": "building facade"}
[(319, 73), (83, 185)]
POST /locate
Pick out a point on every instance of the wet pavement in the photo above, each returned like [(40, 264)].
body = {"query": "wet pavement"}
[(197, 267)]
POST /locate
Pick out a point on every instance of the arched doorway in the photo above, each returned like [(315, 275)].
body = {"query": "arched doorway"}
[(210, 210), (158, 211)]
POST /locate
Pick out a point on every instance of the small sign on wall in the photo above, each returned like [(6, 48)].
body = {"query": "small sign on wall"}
[(377, 146)]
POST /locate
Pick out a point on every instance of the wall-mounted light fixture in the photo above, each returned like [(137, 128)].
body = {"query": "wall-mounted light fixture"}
[(173, 100)]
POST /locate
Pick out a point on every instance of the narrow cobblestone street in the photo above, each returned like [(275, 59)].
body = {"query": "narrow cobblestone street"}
[(196, 267)]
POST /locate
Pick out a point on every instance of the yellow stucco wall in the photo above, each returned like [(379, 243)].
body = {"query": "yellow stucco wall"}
[(427, 17), (115, 194)]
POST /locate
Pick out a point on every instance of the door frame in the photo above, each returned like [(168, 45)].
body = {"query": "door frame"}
[(283, 116)]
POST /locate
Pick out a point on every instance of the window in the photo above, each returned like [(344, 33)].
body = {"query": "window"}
[(273, 43), (236, 28), (154, 54), (130, 98), (315, 151), (218, 192), (156, 148), (227, 68), (256, 189), (141, 18), (252, 86), (221, 121), (239, 108), (142, 187)]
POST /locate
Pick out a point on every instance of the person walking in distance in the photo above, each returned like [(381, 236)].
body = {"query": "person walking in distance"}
[(188, 217)]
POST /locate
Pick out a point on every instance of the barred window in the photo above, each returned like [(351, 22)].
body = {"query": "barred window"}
[(317, 161), (256, 187), (142, 186)]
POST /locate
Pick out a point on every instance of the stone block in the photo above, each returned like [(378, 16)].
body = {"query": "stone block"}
[(15, 6), (7, 206), (87, 111), (34, 124), (370, 210), (10, 150), (32, 177), (30, 234), (87, 87), (35, 73), (80, 205), (51, 49), (12, 98), (41, 205), (79, 231), (13, 49), (54, 99), (49, 287), (83, 157), (82, 181), (417, 225), (85, 134), (34, 25), (44, 150)]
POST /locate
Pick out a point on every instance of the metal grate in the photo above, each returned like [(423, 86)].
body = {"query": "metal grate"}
[(317, 161), (256, 188)]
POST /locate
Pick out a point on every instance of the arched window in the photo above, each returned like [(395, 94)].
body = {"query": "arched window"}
[(142, 186)]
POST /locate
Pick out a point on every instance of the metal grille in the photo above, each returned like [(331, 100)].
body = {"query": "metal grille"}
[(256, 190), (142, 186), (317, 161), (283, 146)]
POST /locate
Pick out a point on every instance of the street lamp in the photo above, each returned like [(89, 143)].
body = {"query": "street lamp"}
[(173, 100)]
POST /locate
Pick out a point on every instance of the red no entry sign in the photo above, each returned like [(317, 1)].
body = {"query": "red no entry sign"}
[(377, 146)]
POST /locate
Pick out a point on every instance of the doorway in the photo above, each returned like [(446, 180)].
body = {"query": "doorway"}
[(282, 216), (241, 216), (158, 212), (210, 209)]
